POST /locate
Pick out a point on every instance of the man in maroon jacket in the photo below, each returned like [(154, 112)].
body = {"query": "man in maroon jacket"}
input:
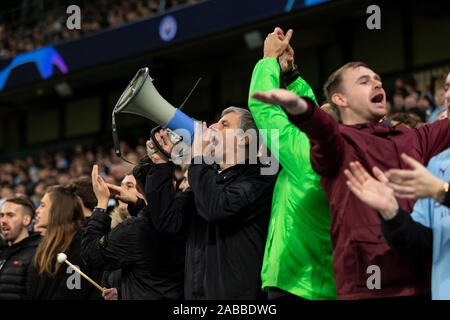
[(364, 265)]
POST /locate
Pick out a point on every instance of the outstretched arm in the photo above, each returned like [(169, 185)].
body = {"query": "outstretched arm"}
[(327, 143)]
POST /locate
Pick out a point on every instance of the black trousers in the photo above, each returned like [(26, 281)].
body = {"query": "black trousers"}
[(279, 295)]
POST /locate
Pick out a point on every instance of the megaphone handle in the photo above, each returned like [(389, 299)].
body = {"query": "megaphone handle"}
[(116, 140), (156, 143)]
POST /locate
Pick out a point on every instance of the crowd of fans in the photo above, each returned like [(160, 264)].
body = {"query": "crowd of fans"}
[(43, 26), (425, 104), (32, 177)]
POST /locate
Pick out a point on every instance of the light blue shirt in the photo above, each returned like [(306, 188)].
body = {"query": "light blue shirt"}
[(435, 113), (436, 216)]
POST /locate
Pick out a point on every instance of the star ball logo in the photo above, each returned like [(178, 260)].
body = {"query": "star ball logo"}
[(168, 28)]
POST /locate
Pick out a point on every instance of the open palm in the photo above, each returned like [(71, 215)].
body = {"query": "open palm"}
[(282, 97), (374, 192)]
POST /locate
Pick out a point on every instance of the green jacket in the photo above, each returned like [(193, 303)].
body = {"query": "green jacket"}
[(298, 254)]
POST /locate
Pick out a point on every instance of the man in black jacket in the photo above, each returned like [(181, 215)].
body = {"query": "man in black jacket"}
[(224, 214), (16, 257), (151, 262)]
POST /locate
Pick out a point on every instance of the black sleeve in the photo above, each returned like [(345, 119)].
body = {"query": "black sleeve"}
[(447, 199), (109, 249), (135, 208), (288, 77), (112, 279), (98, 225), (407, 236), (168, 208), (87, 290)]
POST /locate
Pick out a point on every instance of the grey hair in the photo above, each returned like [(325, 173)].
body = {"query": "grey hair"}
[(246, 120)]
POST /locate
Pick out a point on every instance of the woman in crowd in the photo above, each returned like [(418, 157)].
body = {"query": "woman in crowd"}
[(49, 279)]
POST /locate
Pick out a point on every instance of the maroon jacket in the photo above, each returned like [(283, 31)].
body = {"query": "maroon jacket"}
[(356, 228)]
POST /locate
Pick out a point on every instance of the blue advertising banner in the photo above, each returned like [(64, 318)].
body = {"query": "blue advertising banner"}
[(187, 23)]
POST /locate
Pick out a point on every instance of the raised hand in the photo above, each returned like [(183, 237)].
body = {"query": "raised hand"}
[(122, 194), (286, 60), (274, 46), (164, 140), (100, 188), (415, 183), (376, 193), (292, 103)]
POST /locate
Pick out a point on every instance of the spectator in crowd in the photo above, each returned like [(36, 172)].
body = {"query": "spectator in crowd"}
[(112, 280), (357, 92), (410, 120), (398, 103), (38, 191), (298, 259), (439, 100), (120, 212), (5, 193), (42, 215), (411, 106), (82, 188), (50, 279), (151, 263), (422, 233), (16, 255), (224, 213)]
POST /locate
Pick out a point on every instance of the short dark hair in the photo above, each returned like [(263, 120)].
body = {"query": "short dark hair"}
[(411, 120), (82, 187), (29, 206), (140, 172), (334, 81)]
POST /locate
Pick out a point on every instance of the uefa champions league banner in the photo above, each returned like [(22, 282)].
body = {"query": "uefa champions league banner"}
[(184, 24)]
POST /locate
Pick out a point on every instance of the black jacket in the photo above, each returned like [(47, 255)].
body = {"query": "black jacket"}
[(64, 285), (447, 199), (2, 242), (15, 266), (151, 263), (225, 217)]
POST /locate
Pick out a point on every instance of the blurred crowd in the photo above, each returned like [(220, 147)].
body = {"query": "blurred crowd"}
[(419, 104), (33, 176), (26, 30)]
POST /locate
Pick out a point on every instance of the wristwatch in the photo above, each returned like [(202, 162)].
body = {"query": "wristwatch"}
[(443, 192), (100, 210)]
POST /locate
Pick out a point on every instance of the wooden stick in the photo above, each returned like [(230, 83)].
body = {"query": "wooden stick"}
[(84, 275)]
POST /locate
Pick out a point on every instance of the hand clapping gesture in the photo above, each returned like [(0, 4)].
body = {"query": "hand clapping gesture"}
[(376, 193)]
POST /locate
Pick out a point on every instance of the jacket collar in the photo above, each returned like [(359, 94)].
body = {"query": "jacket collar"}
[(33, 239), (380, 128), (235, 170)]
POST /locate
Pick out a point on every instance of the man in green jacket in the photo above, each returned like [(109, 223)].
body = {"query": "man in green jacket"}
[(298, 255)]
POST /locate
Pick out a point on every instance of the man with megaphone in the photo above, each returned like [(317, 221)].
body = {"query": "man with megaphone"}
[(225, 212)]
